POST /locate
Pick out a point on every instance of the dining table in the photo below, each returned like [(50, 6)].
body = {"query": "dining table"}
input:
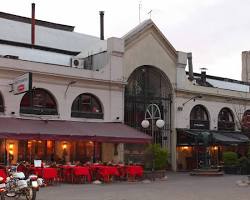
[(47, 173), (105, 173), (69, 173), (3, 174)]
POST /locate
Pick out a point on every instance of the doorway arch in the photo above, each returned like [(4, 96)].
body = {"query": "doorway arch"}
[(148, 85)]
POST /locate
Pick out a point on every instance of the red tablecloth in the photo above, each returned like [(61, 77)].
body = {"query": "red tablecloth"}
[(3, 174), (36, 170), (67, 169), (134, 170), (105, 172), (82, 171), (49, 173), (45, 173)]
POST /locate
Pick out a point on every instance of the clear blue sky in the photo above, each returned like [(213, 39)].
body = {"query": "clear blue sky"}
[(215, 31)]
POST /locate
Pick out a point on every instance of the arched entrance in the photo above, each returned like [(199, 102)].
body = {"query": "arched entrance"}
[(148, 85)]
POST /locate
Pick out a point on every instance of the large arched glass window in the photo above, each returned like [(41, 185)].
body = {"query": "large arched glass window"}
[(148, 85), (226, 120), (87, 106), (199, 118), (39, 102), (1, 104)]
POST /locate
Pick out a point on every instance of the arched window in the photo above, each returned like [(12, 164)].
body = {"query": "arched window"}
[(148, 85), (87, 106), (226, 120), (1, 104), (245, 122), (38, 102), (199, 118)]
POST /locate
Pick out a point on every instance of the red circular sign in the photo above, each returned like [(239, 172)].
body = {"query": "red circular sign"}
[(20, 88)]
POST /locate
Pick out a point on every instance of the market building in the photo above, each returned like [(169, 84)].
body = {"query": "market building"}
[(90, 96)]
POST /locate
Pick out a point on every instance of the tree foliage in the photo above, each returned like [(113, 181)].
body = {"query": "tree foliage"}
[(230, 158), (156, 157)]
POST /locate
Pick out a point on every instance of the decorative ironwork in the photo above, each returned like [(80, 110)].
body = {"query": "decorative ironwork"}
[(148, 85), (153, 114)]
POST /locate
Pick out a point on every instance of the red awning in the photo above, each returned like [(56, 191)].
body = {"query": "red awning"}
[(70, 130)]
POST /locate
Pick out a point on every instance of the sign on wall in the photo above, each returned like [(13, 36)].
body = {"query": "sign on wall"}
[(22, 83)]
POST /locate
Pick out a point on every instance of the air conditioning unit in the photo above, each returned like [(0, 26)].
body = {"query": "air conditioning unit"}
[(77, 63)]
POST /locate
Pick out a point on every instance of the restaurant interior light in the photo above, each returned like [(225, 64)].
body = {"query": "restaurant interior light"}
[(11, 146), (185, 148), (49, 144), (64, 146)]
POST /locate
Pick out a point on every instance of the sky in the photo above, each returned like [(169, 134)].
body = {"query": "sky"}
[(215, 31)]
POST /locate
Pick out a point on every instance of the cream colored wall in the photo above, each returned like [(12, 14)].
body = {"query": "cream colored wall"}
[(148, 49), (213, 105), (110, 96), (120, 156), (107, 152)]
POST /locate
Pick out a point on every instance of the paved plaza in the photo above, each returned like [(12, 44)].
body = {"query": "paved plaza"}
[(179, 186)]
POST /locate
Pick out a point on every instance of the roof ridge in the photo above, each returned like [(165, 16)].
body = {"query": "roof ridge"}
[(27, 20)]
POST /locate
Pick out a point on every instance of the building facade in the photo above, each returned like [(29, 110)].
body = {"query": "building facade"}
[(87, 93)]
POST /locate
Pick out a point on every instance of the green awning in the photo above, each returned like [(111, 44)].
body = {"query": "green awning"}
[(223, 138), (238, 136), (219, 137)]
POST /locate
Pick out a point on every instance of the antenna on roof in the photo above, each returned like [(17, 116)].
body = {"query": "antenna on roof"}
[(140, 5), (149, 13)]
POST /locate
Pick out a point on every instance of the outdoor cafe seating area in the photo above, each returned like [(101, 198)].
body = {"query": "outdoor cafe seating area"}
[(80, 173)]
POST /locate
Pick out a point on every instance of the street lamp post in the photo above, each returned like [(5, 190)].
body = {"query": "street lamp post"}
[(152, 114)]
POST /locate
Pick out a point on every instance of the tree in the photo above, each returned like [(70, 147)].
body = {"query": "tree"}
[(239, 107)]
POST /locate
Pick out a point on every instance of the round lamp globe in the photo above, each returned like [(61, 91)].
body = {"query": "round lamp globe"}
[(145, 123), (160, 123)]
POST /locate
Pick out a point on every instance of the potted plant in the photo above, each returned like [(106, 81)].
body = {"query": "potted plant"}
[(156, 161), (230, 160)]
